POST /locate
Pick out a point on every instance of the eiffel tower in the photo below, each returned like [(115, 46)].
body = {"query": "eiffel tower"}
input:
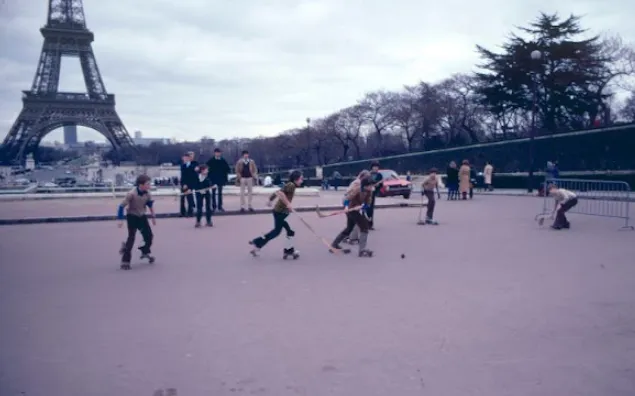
[(45, 108)]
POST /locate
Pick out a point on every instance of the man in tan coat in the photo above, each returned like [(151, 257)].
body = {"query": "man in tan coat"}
[(246, 174), (487, 175), (464, 178)]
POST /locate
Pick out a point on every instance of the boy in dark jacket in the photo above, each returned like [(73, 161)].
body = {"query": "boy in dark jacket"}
[(203, 195), (218, 174), (188, 180), (358, 196)]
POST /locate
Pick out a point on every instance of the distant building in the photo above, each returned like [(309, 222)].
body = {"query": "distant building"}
[(70, 134), (139, 140)]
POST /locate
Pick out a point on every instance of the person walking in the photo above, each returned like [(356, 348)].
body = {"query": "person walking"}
[(246, 174), (218, 174)]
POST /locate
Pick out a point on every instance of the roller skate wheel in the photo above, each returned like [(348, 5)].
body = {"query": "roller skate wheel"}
[(125, 267)]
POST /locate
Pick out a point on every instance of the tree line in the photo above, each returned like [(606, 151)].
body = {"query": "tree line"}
[(572, 85)]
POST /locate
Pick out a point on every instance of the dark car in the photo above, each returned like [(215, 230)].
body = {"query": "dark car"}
[(393, 185)]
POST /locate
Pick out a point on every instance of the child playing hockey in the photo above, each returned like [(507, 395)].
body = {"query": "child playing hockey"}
[(428, 187), (281, 211), (203, 196), (136, 201), (359, 196), (565, 200), (353, 238)]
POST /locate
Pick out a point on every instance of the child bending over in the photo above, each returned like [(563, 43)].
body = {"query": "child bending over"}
[(565, 200)]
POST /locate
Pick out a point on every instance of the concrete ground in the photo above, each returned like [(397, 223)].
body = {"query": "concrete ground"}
[(487, 303)]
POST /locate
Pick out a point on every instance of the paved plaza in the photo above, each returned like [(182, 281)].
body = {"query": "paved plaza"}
[(487, 303)]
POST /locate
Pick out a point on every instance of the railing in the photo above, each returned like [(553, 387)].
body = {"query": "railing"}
[(601, 198)]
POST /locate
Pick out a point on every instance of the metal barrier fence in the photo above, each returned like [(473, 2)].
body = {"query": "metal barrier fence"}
[(595, 198)]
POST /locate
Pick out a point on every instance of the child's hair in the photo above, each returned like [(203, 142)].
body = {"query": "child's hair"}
[(202, 168), (363, 174), (374, 164), (142, 179), (294, 176), (551, 186), (466, 162), (433, 170)]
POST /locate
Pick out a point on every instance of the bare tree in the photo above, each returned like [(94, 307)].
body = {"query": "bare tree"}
[(375, 107), (407, 117), (350, 124)]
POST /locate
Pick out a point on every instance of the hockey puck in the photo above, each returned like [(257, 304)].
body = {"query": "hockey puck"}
[(403, 256)]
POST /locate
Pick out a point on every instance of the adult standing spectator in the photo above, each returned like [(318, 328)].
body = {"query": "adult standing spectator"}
[(464, 178), (452, 181), (246, 174), (218, 174), (188, 181), (488, 171)]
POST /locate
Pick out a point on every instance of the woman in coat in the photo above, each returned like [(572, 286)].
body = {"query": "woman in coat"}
[(464, 178)]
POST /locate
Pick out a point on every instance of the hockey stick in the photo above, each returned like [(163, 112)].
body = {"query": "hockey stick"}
[(419, 221), (336, 213), (542, 217), (190, 192), (321, 238)]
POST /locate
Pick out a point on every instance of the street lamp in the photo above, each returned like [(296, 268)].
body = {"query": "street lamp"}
[(535, 58)]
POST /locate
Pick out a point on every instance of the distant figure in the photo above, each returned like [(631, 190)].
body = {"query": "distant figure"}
[(188, 181), (408, 176), (336, 180), (488, 171), (464, 178), (452, 181), (268, 182)]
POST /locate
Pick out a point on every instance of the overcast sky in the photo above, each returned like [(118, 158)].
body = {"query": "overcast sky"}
[(226, 68)]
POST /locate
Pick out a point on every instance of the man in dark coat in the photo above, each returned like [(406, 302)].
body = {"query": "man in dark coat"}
[(218, 173), (189, 179)]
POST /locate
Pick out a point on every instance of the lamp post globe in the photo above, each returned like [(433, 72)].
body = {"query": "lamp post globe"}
[(535, 55)]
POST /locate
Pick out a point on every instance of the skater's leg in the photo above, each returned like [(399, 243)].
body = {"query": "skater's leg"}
[(561, 218), (354, 236), (190, 204), (132, 231), (199, 207), (208, 209), (146, 233), (214, 202), (350, 224), (370, 212), (431, 203), (278, 225), (364, 226), (220, 196), (183, 212)]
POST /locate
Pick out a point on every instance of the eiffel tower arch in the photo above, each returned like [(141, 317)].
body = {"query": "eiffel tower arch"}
[(44, 108)]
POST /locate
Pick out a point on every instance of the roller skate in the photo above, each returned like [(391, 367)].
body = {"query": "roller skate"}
[(146, 256), (339, 249), (351, 241), (255, 250), (291, 252), (365, 253), (197, 225), (432, 222), (125, 266), (209, 224)]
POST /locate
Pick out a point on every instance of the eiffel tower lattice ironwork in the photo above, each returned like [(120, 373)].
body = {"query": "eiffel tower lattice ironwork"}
[(45, 108)]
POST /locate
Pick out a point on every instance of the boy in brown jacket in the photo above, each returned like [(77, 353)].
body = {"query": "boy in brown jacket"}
[(358, 196), (136, 201), (428, 187)]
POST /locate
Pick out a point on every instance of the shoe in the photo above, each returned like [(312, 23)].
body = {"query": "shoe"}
[(221, 209), (209, 225), (242, 210), (251, 210), (125, 266), (197, 225)]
